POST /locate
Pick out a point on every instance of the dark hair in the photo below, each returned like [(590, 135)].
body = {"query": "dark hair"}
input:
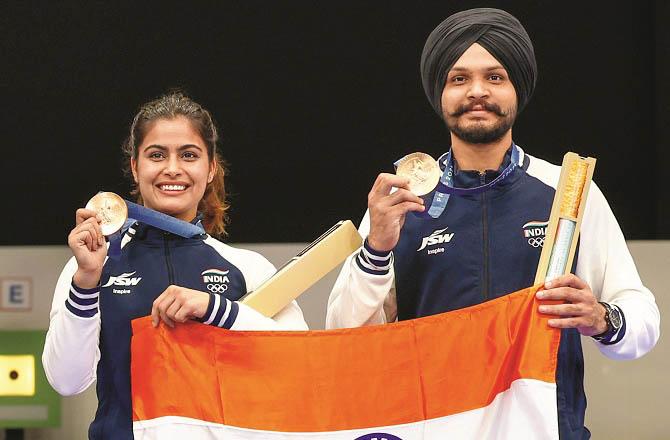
[(213, 204)]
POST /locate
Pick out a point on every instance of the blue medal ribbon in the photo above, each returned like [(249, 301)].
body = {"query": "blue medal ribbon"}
[(445, 187), (139, 213)]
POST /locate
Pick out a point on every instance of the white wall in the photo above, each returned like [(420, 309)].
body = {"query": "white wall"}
[(626, 399)]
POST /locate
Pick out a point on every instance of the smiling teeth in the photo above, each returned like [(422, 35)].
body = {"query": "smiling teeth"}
[(173, 187)]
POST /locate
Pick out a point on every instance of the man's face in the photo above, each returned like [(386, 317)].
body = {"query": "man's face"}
[(478, 101)]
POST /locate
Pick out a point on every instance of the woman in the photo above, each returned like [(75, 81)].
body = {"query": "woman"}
[(173, 159)]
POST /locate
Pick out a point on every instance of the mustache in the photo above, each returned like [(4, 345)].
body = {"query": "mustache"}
[(489, 106)]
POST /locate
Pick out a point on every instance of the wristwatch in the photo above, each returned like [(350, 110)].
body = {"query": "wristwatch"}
[(613, 320)]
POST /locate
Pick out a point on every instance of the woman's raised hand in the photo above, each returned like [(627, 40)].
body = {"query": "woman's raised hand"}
[(89, 248)]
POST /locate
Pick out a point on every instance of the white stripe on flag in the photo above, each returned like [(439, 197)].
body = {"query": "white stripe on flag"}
[(526, 410)]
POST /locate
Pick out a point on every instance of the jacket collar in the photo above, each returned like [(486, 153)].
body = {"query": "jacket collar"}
[(473, 178)]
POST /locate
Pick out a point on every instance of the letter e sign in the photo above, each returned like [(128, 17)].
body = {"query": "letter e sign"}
[(16, 294)]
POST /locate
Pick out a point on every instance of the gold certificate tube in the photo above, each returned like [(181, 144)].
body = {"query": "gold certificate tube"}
[(566, 217)]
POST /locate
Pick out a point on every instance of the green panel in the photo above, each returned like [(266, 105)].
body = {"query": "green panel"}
[(29, 342)]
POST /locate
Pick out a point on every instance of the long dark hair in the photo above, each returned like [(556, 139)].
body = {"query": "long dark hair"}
[(213, 204)]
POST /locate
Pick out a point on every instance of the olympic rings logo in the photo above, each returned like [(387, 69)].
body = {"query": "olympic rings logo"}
[(536, 242), (217, 288)]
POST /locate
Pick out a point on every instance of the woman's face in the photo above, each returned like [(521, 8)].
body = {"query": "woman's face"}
[(173, 168)]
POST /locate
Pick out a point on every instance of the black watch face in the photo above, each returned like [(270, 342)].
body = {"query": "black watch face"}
[(615, 318)]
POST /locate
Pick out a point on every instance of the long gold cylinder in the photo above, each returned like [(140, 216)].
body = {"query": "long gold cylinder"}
[(565, 221)]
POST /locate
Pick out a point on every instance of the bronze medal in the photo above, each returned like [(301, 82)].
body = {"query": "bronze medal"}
[(422, 171), (113, 210)]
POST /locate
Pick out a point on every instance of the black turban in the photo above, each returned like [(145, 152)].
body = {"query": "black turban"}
[(496, 31)]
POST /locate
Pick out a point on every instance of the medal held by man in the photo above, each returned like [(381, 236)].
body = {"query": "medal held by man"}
[(422, 171)]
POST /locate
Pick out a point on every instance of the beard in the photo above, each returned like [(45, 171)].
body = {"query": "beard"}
[(480, 132)]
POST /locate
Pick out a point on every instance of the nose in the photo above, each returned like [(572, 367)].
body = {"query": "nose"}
[(478, 89), (172, 167)]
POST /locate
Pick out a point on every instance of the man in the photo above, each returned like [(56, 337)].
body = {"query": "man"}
[(478, 70)]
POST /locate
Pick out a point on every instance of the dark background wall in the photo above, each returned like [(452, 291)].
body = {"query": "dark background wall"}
[(313, 99)]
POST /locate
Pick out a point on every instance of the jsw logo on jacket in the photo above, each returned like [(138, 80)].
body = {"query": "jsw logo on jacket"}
[(123, 280)]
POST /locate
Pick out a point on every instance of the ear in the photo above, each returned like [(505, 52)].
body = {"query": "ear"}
[(212, 171), (133, 168)]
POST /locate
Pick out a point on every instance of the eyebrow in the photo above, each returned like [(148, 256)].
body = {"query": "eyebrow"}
[(183, 147), (488, 69)]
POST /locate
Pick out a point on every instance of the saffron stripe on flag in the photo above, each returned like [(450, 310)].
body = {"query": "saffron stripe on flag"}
[(348, 379)]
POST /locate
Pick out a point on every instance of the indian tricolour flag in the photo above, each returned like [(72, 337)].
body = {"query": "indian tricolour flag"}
[(484, 372)]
